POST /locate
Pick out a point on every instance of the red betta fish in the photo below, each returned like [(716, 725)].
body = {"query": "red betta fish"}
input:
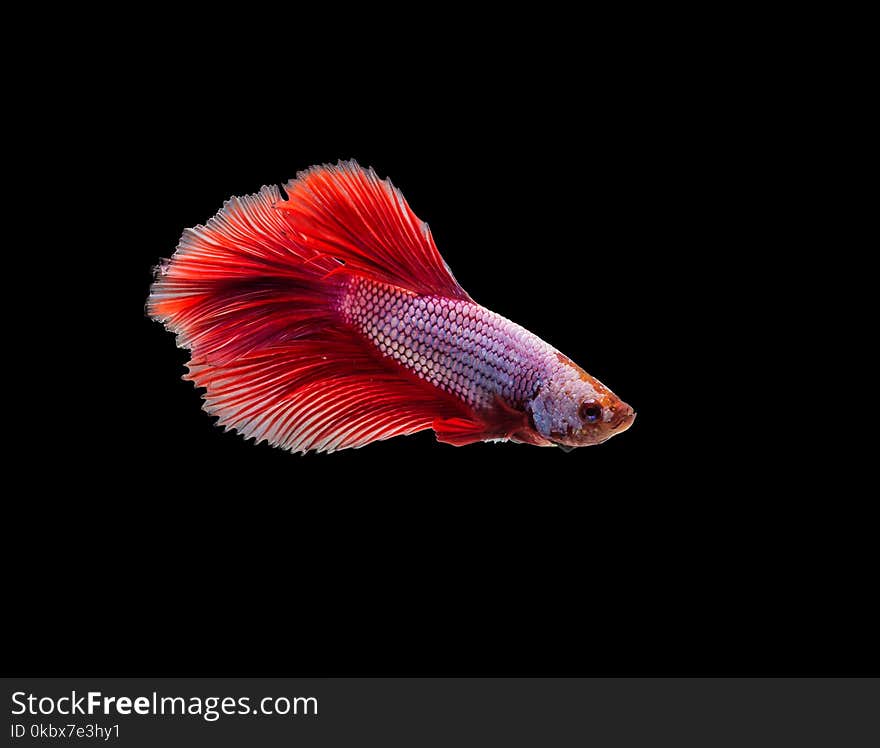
[(329, 320)]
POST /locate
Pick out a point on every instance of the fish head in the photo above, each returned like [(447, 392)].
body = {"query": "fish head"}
[(573, 409)]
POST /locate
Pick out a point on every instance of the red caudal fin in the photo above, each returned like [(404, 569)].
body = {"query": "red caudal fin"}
[(253, 295), (239, 283), (319, 394)]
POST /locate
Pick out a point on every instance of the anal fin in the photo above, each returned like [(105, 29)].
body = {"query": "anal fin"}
[(500, 421), (460, 431)]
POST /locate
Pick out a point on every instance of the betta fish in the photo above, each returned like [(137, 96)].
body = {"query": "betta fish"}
[(324, 318)]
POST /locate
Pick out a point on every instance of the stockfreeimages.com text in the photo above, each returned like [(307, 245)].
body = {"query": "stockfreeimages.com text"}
[(211, 708)]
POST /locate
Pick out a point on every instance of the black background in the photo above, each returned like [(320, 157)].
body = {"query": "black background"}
[(604, 200)]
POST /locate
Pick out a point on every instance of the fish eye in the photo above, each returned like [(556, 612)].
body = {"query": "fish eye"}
[(590, 412)]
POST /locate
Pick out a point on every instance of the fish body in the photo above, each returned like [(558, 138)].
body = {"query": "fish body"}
[(329, 320)]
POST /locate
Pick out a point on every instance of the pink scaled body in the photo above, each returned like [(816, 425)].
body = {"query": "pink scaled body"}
[(456, 345)]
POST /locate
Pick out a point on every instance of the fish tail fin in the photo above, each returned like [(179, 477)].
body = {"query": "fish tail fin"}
[(239, 283), (255, 295)]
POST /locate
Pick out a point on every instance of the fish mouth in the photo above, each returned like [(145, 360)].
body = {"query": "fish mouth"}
[(623, 419)]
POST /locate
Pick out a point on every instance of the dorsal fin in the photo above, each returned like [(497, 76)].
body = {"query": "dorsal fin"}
[(348, 213)]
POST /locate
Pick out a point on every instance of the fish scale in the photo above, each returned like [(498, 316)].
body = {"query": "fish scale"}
[(456, 345)]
